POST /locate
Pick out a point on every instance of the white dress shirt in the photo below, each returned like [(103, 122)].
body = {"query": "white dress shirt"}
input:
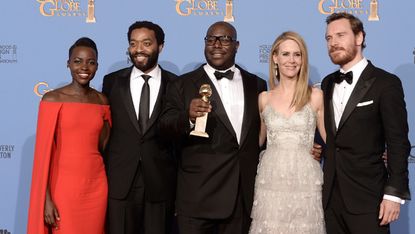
[(231, 93), (341, 95), (136, 84), (342, 91)]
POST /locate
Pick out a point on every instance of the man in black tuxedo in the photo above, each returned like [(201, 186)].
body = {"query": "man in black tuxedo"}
[(139, 161), (216, 175), (365, 109)]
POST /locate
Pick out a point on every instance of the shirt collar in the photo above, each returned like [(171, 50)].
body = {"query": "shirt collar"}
[(212, 70), (155, 73), (357, 69)]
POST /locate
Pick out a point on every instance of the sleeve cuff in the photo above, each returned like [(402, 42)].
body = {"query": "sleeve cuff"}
[(394, 199)]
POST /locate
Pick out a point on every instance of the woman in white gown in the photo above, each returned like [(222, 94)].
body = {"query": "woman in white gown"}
[(289, 181)]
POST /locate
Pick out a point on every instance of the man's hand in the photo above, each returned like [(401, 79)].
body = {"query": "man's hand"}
[(389, 211), (316, 151), (198, 108)]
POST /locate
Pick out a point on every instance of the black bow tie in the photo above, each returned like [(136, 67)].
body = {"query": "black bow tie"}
[(228, 74), (348, 77)]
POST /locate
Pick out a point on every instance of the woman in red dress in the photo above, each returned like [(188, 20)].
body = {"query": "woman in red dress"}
[(69, 184)]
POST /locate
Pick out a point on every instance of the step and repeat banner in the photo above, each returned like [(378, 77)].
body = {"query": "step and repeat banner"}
[(35, 36)]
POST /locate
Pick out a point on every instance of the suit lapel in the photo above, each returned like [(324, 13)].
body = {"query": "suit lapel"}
[(359, 91), (217, 105), (127, 99), (329, 98), (250, 102)]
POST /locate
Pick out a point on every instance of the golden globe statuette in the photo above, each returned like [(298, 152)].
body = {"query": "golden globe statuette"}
[(373, 11), (91, 12), (200, 126), (229, 12)]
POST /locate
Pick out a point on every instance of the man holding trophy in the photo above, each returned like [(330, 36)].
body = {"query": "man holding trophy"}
[(212, 112)]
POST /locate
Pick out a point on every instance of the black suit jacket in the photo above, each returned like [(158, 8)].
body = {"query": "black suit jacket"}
[(353, 154), (211, 169), (128, 144)]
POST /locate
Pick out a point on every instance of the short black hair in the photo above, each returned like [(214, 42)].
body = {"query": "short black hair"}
[(84, 41), (226, 24), (149, 25)]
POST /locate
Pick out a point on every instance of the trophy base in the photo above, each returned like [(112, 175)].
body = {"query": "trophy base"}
[(373, 18), (90, 20), (229, 19), (200, 134)]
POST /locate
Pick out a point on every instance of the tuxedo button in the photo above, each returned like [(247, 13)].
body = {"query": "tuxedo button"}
[(337, 149)]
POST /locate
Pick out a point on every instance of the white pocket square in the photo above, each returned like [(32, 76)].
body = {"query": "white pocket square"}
[(364, 103)]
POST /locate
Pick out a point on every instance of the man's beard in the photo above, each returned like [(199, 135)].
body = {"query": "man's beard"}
[(342, 58), (152, 60)]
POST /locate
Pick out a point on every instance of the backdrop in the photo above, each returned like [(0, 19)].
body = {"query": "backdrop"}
[(35, 36)]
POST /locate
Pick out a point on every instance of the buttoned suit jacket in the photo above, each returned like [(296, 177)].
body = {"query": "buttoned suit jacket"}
[(211, 169), (374, 117), (128, 144)]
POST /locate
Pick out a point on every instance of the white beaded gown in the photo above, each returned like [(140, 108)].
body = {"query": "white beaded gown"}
[(289, 181)]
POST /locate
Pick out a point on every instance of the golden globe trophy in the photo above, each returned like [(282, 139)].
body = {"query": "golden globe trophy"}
[(205, 92), (229, 12), (373, 16), (91, 12)]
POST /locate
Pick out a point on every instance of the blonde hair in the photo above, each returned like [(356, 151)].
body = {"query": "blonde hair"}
[(302, 90)]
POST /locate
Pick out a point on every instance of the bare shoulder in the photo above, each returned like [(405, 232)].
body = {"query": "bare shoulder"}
[(316, 98), (316, 94), (53, 96), (263, 97), (103, 100), (262, 100)]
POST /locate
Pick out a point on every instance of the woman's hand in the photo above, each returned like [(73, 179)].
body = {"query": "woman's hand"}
[(51, 213)]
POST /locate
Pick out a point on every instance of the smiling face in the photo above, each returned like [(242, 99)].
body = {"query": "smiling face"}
[(289, 59), (83, 64), (221, 57), (344, 47), (143, 49)]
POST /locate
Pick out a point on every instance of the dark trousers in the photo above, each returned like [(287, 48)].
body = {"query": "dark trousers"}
[(237, 223), (340, 221), (134, 215)]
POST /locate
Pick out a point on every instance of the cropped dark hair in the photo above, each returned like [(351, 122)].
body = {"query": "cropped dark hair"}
[(84, 41), (149, 25), (355, 23)]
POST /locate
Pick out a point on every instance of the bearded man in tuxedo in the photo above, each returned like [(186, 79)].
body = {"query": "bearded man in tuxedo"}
[(365, 112)]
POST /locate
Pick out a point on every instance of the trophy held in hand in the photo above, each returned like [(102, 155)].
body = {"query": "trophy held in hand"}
[(205, 92)]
